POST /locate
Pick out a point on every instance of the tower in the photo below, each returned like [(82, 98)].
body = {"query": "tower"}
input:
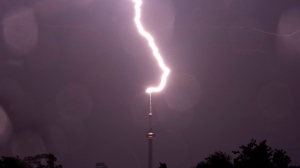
[(150, 136)]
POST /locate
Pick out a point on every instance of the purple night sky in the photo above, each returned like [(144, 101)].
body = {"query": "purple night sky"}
[(73, 75)]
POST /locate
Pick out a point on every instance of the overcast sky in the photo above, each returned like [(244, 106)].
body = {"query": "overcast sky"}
[(73, 76)]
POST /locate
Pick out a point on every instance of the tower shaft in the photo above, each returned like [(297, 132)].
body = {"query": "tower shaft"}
[(150, 136), (150, 160)]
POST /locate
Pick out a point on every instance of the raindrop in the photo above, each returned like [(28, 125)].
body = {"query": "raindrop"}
[(288, 25), (5, 126), (20, 31)]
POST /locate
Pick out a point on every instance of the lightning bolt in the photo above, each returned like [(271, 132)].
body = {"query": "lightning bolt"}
[(154, 48)]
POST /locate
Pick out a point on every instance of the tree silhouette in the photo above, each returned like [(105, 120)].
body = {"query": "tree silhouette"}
[(250, 156), (13, 162), (38, 161), (162, 165), (280, 159), (254, 155), (218, 159)]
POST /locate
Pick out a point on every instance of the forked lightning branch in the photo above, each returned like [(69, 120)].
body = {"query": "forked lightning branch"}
[(154, 48)]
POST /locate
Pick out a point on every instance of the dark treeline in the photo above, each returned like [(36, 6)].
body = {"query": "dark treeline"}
[(37, 161), (252, 155)]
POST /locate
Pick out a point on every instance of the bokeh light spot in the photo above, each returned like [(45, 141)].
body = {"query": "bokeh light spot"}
[(5, 126), (288, 24), (20, 31)]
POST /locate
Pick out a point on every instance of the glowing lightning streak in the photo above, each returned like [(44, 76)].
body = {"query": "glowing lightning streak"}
[(154, 48)]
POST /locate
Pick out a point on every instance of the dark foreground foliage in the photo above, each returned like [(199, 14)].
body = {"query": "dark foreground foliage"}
[(252, 155), (162, 165), (38, 161)]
